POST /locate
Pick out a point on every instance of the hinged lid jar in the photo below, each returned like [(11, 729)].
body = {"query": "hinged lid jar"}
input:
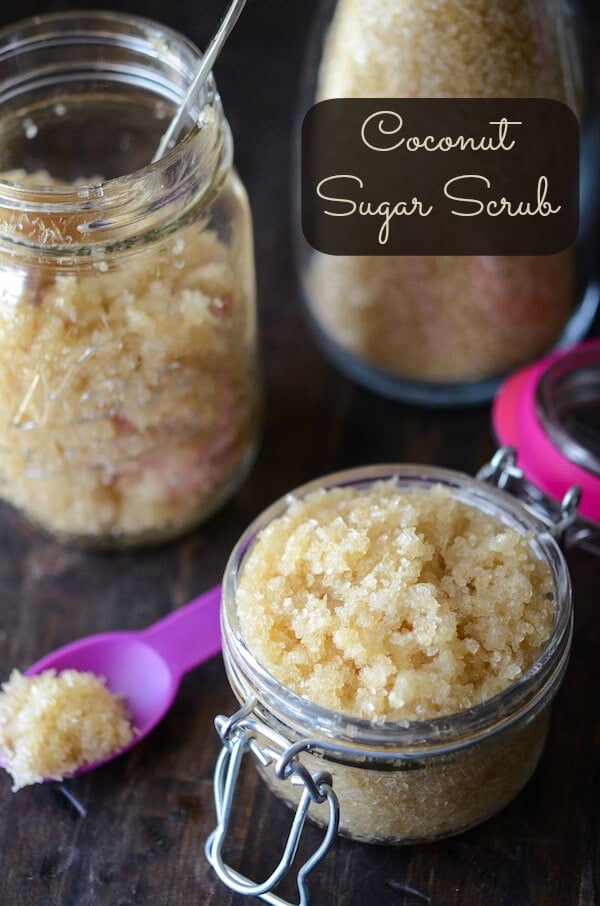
[(128, 379), (401, 781), (379, 778)]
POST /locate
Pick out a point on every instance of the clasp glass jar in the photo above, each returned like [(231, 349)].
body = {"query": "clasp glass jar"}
[(385, 781), (128, 374), (445, 330)]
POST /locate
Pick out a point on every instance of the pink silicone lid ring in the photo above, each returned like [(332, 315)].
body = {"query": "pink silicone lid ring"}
[(517, 423)]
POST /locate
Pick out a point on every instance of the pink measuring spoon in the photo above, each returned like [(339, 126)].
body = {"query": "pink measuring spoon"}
[(145, 666)]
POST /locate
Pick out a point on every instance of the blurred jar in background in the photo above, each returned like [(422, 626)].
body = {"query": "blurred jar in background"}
[(443, 330)]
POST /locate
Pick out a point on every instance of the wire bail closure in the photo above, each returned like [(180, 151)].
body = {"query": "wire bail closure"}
[(239, 736), (562, 519)]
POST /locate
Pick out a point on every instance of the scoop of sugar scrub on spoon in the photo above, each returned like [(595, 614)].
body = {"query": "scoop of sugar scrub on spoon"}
[(169, 139), (144, 668)]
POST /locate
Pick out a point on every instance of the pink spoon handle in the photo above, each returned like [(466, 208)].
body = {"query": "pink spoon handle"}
[(189, 635)]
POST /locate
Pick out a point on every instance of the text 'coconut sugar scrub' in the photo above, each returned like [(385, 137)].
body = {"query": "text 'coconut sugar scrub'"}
[(443, 327)]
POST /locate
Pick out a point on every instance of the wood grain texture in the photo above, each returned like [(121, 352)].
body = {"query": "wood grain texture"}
[(149, 813)]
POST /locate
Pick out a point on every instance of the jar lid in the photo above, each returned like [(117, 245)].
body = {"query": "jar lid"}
[(550, 412)]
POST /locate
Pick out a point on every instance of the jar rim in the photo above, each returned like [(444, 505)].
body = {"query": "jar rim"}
[(146, 197), (411, 738)]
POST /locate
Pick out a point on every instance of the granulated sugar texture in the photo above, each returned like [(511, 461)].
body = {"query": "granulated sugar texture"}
[(127, 397), (393, 604), (52, 724)]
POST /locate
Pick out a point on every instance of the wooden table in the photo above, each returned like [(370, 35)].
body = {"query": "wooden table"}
[(149, 813)]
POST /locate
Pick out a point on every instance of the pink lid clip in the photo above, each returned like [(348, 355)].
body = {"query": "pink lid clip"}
[(529, 414)]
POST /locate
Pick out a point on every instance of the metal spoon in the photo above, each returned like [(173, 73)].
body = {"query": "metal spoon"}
[(145, 666), (211, 53)]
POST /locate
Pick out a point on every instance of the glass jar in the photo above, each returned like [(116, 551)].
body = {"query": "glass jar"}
[(128, 372), (395, 782), (444, 330)]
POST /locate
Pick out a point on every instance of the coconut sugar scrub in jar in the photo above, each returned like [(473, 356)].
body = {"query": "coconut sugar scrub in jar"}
[(128, 374), (444, 329), (395, 636)]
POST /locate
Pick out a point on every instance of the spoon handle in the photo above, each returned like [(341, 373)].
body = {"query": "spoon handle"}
[(212, 51), (189, 635)]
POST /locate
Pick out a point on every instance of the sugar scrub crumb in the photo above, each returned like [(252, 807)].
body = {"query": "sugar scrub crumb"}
[(53, 723), (393, 603)]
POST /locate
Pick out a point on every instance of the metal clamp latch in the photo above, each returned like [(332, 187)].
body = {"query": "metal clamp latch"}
[(561, 520), (239, 735)]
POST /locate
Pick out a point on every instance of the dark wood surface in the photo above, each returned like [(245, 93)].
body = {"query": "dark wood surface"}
[(149, 812)]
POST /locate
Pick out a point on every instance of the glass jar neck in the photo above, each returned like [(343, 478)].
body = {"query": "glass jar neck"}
[(84, 100)]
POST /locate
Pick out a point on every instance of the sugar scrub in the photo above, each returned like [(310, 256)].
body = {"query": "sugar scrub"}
[(393, 606), (52, 724), (128, 393), (444, 319)]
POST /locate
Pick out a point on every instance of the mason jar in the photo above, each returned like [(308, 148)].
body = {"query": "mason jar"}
[(446, 329), (379, 780), (128, 368)]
